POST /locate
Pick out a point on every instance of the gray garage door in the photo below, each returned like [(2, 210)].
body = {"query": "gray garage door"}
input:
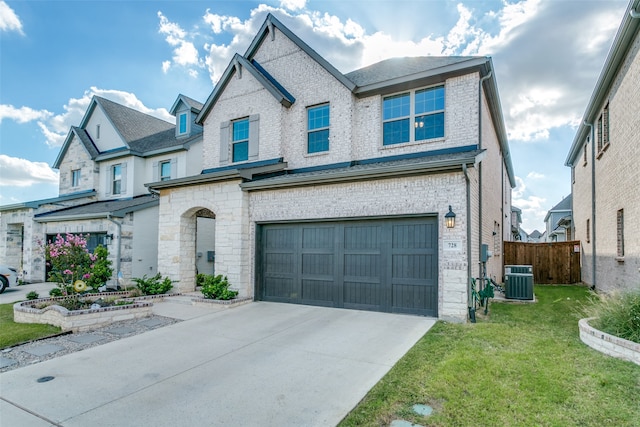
[(386, 265)]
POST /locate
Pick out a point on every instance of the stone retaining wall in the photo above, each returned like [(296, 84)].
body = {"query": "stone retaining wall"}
[(79, 320), (608, 344)]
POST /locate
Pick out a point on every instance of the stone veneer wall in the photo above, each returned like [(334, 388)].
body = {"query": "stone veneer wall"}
[(608, 344)]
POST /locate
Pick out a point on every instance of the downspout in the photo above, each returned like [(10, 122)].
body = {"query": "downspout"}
[(119, 227), (593, 204), (482, 79), (468, 221)]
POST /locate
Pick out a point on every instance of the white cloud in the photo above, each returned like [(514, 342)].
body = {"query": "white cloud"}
[(185, 53), (22, 114), (535, 175), (17, 172), (56, 127), (293, 4), (533, 211), (9, 21)]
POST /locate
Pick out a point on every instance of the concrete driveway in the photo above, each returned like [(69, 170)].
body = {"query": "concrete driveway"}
[(260, 364), (19, 293)]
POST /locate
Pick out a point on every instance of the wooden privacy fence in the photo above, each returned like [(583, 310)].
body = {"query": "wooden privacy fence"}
[(557, 262)]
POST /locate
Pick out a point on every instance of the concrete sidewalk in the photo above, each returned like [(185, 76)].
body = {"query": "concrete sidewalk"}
[(259, 364)]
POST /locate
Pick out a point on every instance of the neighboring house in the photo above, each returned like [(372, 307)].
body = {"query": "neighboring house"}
[(517, 233), (604, 160), (104, 164), (536, 237), (558, 222), (333, 189)]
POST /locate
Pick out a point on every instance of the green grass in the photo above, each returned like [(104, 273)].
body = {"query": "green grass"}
[(522, 365), (12, 333)]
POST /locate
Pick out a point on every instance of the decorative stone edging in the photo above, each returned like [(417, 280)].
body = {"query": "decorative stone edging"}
[(608, 344), (226, 303), (80, 320)]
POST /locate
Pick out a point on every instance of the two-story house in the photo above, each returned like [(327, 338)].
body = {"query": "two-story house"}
[(381, 189), (558, 221), (604, 159), (104, 164)]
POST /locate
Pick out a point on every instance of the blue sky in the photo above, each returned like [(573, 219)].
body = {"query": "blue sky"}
[(54, 55)]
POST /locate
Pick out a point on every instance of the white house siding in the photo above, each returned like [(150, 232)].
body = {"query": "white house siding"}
[(193, 161), (77, 157), (617, 181), (144, 251), (419, 195), (177, 230), (109, 137)]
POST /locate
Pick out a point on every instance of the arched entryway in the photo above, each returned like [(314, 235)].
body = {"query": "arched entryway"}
[(197, 246)]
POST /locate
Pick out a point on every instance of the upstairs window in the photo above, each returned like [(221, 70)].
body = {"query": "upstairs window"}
[(422, 110), (116, 182), (318, 129), (75, 178), (97, 131), (182, 123), (165, 171), (240, 141), (603, 129)]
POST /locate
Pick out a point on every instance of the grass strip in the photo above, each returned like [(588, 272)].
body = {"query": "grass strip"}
[(522, 365)]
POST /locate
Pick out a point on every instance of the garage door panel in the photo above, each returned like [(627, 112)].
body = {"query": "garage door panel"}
[(377, 264), (412, 298), (318, 292)]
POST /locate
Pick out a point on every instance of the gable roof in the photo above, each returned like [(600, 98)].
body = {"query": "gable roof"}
[(132, 125), (194, 106), (85, 140), (622, 43), (144, 135), (565, 205), (100, 209)]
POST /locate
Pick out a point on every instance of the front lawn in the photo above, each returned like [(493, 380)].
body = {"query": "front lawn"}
[(522, 365), (12, 333)]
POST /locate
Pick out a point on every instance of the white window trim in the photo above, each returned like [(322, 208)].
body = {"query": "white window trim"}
[(412, 116)]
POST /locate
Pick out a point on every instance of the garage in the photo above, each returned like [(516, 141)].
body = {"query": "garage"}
[(388, 265)]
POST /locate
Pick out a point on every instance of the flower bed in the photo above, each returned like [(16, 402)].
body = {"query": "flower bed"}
[(608, 344), (80, 320)]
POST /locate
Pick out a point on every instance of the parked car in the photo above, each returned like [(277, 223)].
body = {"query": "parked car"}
[(8, 277)]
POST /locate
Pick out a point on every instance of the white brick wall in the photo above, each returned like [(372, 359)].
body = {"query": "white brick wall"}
[(616, 176)]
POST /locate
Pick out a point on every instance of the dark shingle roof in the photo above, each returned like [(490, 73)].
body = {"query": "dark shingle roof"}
[(114, 207), (86, 141), (564, 205), (133, 125), (393, 68), (193, 103)]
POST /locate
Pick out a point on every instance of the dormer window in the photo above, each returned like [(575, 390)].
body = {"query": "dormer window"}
[(182, 123)]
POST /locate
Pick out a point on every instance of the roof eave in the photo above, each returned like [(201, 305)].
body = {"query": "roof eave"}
[(619, 49), (381, 172)]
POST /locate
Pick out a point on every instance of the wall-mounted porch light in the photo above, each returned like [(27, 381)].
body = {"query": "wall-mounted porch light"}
[(450, 218), (108, 238)]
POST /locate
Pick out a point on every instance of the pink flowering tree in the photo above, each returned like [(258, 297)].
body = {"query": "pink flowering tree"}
[(70, 261)]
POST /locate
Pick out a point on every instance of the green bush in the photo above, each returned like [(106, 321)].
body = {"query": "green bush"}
[(619, 315), (101, 270), (32, 295), (153, 285), (55, 292), (200, 278), (217, 287)]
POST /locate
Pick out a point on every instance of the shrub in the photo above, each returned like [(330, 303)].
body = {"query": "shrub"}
[(153, 285), (32, 295), (619, 315), (217, 287), (55, 292), (70, 261), (101, 271)]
